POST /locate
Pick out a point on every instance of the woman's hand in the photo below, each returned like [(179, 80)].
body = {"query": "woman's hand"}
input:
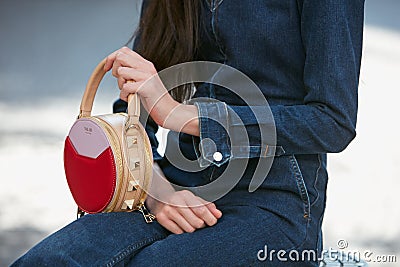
[(184, 212), (178, 211), (138, 75)]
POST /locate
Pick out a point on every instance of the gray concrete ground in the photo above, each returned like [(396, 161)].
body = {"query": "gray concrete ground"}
[(48, 49)]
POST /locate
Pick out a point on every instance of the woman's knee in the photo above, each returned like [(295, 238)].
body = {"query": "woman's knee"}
[(46, 253)]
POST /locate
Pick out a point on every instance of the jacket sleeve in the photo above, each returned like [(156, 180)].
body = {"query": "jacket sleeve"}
[(332, 32)]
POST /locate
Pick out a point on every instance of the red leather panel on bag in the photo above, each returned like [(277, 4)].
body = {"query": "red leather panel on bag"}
[(91, 181)]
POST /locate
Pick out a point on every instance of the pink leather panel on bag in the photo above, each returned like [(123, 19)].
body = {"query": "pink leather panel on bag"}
[(88, 138)]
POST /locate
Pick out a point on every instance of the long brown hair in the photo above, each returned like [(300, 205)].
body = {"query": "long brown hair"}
[(169, 34)]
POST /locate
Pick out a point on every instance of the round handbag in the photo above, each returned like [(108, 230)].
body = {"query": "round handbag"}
[(107, 158)]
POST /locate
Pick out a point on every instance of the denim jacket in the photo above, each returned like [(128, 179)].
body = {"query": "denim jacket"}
[(304, 55)]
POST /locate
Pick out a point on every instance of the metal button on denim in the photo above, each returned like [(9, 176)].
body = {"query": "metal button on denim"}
[(217, 156)]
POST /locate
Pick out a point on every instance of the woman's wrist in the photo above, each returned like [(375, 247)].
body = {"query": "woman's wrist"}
[(161, 109), (152, 204), (160, 188)]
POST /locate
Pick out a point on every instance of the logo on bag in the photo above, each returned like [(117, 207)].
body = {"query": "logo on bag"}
[(88, 130)]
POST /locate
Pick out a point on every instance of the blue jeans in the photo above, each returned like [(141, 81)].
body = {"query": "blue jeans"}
[(124, 239), (283, 214)]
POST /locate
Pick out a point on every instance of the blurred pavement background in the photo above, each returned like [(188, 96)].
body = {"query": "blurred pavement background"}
[(49, 48)]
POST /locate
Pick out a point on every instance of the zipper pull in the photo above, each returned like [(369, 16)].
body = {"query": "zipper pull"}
[(148, 217)]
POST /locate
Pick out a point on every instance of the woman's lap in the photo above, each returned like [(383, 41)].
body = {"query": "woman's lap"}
[(95, 240), (234, 241), (125, 239)]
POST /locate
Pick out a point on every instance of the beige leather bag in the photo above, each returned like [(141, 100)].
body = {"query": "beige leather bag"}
[(107, 158)]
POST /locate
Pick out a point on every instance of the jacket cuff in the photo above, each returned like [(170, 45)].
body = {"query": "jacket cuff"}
[(213, 146), (233, 132)]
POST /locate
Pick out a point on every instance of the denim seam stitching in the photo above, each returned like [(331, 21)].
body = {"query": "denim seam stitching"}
[(222, 150), (226, 127), (197, 148), (301, 186), (320, 219), (128, 250), (202, 114), (316, 180), (214, 30)]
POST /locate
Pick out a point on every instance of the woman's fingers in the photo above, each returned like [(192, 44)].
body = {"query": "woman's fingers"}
[(114, 70), (213, 209), (127, 58), (191, 218), (198, 207), (127, 65), (128, 51), (132, 60), (179, 204), (132, 74), (169, 224), (110, 61), (129, 77), (205, 214), (121, 81), (173, 214), (186, 212), (129, 88), (111, 58), (130, 80)]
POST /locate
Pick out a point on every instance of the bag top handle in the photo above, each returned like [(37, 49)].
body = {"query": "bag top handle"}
[(90, 93)]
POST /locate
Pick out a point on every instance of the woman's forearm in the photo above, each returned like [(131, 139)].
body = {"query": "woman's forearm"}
[(183, 118), (175, 116)]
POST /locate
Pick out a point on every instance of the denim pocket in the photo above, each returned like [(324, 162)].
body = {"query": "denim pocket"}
[(301, 185)]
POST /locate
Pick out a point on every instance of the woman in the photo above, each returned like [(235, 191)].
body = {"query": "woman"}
[(304, 55)]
